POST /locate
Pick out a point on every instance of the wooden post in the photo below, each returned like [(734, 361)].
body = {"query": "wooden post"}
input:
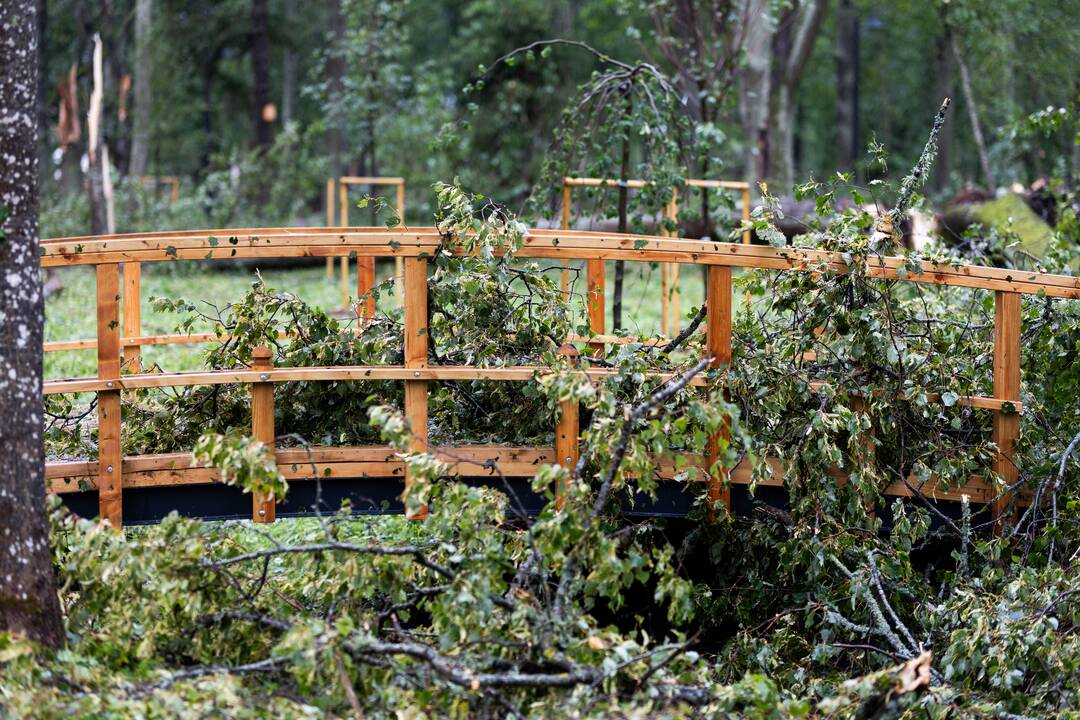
[(594, 272), (110, 480), (718, 341), (566, 200), (399, 262), (263, 509), (416, 356), (567, 431), (330, 222), (746, 213), (343, 213), (673, 273), (1006, 429), (132, 315)]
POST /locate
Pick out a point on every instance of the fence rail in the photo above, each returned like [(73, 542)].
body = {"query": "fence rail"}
[(112, 472)]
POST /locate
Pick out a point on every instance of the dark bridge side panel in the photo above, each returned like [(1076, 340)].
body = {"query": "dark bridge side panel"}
[(382, 496)]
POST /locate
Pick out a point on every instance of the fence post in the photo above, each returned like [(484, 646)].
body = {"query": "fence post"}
[(263, 509), (330, 223), (746, 213), (595, 279), (1006, 429), (110, 466), (343, 214), (567, 432), (673, 273), (399, 262), (416, 356), (566, 200), (132, 315), (718, 342)]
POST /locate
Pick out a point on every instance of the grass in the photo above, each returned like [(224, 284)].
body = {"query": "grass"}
[(71, 314)]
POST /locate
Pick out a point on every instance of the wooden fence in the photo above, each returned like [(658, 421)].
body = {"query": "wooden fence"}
[(112, 472), (669, 272)]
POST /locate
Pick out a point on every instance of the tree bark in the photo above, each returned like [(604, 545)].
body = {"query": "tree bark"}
[(288, 70), (754, 89), (97, 184), (28, 601), (260, 66), (624, 208), (792, 44), (143, 91), (943, 88), (973, 115), (847, 86), (335, 73)]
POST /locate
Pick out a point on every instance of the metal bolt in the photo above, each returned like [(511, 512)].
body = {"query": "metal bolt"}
[(108, 384), (108, 469), (568, 459), (262, 513), (417, 373), (264, 377)]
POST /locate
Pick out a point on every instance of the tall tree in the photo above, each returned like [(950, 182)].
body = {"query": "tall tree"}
[(755, 89), (288, 68), (335, 86), (847, 85), (260, 66), (28, 601), (796, 30), (143, 100)]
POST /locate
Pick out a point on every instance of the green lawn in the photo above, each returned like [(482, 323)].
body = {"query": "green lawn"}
[(71, 314)]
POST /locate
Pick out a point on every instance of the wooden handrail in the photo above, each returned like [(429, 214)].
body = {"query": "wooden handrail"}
[(413, 246)]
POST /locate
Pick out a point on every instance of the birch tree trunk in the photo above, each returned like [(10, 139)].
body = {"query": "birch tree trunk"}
[(973, 115), (792, 44), (28, 601), (143, 90), (335, 73), (754, 89)]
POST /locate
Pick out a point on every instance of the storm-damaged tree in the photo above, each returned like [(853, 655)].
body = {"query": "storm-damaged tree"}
[(626, 122), (28, 601)]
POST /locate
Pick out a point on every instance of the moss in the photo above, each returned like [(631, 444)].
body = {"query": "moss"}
[(1010, 212)]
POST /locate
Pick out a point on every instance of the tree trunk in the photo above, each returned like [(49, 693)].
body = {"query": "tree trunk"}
[(97, 181), (792, 44), (624, 206), (754, 89), (143, 91), (260, 66), (335, 72), (28, 601), (288, 71), (973, 115), (943, 88), (847, 86), (44, 155)]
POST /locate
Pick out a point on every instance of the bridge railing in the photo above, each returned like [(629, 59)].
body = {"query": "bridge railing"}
[(112, 472)]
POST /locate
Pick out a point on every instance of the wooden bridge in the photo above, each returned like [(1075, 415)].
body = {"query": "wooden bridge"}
[(145, 488)]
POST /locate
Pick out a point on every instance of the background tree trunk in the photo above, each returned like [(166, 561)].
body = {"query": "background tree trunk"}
[(288, 69), (335, 72), (98, 185), (847, 86), (624, 208), (754, 89), (792, 43), (260, 66), (973, 115), (28, 602), (143, 90), (944, 88)]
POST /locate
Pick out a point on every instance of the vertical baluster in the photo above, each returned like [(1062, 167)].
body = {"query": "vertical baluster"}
[(263, 509), (673, 215), (330, 222), (416, 356), (343, 214), (1006, 429), (110, 480), (567, 432), (718, 341), (594, 271), (746, 213), (566, 200), (399, 262), (132, 315)]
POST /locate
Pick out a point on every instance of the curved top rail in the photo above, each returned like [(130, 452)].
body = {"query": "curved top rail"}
[(225, 244)]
